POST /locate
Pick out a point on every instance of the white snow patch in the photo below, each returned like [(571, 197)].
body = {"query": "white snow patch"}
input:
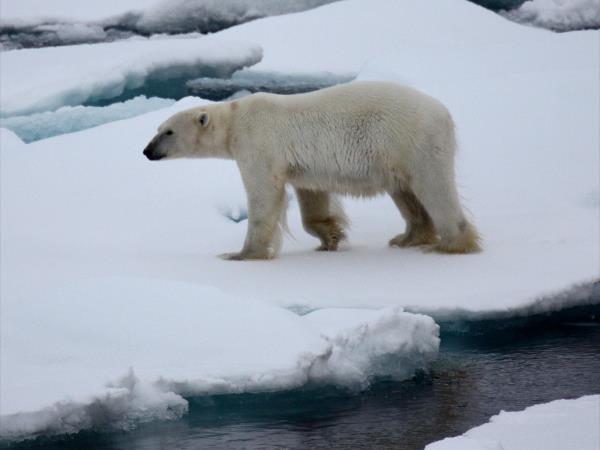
[(110, 69), (557, 425), (62, 352), (559, 15), (69, 119)]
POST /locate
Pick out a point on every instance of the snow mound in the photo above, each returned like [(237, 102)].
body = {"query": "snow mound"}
[(63, 352), (399, 31), (69, 119), (556, 425), (558, 15), (111, 70)]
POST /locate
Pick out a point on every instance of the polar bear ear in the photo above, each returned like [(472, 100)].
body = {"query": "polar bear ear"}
[(203, 118)]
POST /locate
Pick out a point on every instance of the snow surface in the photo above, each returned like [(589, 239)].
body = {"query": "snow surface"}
[(91, 230), (110, 69), (74, 118), (559, 15), (558, 425)]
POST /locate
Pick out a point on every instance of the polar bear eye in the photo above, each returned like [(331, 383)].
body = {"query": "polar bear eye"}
[(169, 132), (203, 119)]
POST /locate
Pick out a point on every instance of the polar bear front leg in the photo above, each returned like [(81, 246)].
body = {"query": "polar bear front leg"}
[(266, 213)]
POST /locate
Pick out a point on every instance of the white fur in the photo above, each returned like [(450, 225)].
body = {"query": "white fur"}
[(360, 138)]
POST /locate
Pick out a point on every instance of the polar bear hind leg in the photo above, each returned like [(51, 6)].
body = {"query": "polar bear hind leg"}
[(322, 217), (419, 226), (436, 190)]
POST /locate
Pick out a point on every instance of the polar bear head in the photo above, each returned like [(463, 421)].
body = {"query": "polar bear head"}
[(196, 133)]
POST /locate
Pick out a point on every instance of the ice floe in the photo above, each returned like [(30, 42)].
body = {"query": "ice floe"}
[(119, 351), (556, 425)]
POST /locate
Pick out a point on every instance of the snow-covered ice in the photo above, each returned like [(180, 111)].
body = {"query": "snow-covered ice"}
[(110, 69), (69, 119), (81, 210), (558, 425)]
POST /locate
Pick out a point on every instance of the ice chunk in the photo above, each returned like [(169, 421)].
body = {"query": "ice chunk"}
[(112, 70), (392, 343), (556, 425), (69, 119), (558, 15)]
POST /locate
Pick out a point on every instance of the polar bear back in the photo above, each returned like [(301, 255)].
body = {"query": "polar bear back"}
[(358, 138)]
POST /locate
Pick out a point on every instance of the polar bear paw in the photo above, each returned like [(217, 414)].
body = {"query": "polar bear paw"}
[(415, 238)]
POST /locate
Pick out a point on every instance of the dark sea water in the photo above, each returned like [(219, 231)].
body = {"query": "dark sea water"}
[(477, 375)]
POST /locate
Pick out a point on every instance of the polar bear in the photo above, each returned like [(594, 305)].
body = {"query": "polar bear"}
[(359, 138)]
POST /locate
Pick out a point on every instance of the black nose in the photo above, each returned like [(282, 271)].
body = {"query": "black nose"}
[(150, 153)]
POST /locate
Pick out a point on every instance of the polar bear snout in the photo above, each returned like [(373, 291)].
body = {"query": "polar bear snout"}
[(151, 153), (152, 150)]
